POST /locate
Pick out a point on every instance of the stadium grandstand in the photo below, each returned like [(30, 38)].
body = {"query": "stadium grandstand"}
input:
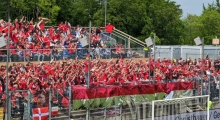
[(49, 66)]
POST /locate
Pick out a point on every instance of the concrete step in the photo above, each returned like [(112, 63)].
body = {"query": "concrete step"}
[(60, 118)]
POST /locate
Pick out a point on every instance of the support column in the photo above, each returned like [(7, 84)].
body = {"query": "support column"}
[(129, 42)]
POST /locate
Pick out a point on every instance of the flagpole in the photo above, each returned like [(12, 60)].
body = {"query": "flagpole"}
[(203, 62), (154, 81), (88, 85), (154, 58), (105, 11), (89, 56), (7, 92)]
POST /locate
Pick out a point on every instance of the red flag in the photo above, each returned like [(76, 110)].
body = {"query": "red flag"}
[(40, 113), (65, 102), (54, 111)]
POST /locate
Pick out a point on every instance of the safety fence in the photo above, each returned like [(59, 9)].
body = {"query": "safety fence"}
[(63, 53), (20, 104), (26, 55), (60, 103)]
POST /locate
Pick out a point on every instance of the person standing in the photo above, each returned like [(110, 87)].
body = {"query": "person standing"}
[(109, 29)]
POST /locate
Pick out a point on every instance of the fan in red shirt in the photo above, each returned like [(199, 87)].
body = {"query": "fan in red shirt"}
[(109, 29)]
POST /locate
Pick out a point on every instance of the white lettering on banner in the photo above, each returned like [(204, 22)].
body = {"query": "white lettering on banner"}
[(55, 108), (200, 115)]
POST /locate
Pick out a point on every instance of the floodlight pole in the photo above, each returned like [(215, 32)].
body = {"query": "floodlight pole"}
[(149, 62), (203, 62), (105, 11), (154, 81), (7, 91), (88, 82), (154, 58)]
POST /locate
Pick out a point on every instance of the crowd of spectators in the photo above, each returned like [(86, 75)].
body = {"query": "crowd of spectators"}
[(58, 75), (61, 74), (32, 41)]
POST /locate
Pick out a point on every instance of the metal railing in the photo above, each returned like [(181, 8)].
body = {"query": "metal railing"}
[(60, 104), (20, 104), (109, 40), (26, 55), (120, 37), (128, 38)]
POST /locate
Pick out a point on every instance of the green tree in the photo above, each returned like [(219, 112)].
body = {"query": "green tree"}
[(165, 18), (49, 9), (158, 41), (212, 6), (126, 15), (192, 27), (65, 13), (3, 9), (210, 20)]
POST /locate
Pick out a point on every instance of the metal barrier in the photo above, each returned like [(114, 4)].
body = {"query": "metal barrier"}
[(65, 53), (19, 104), (60, 103)]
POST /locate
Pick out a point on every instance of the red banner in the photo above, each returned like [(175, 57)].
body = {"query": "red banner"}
[(54, 111), (81, 92)]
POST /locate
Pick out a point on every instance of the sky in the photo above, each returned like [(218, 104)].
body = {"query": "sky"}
[(192, 6)]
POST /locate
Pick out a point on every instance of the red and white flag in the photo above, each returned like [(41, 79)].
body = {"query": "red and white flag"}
[(54, 111), (40, 113)]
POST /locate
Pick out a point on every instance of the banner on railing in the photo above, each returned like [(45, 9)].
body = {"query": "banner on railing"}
[(201, 115), (54, 111)]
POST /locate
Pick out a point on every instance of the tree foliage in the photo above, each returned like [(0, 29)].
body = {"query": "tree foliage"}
[(207, 25), (139, 18), (192, 27)]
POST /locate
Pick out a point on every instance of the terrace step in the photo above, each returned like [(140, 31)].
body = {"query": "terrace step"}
[(60, 118)]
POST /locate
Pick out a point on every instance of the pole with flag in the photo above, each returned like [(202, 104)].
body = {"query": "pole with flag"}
[(203, 62), (149, 44), (154, 58), (89, 55), (105, 11), (198, 42), (88, 111), (7, 92)]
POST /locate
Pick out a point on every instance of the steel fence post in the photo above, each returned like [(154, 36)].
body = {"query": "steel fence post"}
[(51, 54), (105, 113), (29, 103), (9, 106), (218, 93), (120, 112), (87, 114), (24, 55), (50, 99), (70, 92)]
